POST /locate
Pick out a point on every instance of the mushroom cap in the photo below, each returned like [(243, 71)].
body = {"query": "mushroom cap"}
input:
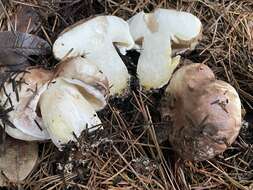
[(183, 83), (24, 117), (183, 27), (18, 134), (65, 111), (85, 37), (155, 33), (189, 77), (92, 83), (206, 113), (139, 28), (95, 39)]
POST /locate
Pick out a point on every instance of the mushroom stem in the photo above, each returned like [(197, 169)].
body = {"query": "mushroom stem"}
[(157, 74), (156, 33), (110, 64)]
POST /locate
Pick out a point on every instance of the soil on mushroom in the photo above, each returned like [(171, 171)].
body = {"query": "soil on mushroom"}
[(126, 155)]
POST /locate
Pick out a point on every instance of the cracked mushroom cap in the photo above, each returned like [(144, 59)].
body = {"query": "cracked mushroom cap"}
[(156, 33), (95, 39), (66, 112), (24, 98), (190, 76), (206, 113), (90, 81)]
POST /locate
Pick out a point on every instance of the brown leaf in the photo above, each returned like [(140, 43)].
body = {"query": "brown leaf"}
[(18, 160), (15, 48), (23, 43), (25, 19)]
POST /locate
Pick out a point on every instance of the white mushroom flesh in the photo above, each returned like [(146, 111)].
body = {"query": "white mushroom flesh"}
[(154, 33), (113, 67), (18, 134), (83, 73), (66, 113), (94, 39), (183, 27), (157, 74)]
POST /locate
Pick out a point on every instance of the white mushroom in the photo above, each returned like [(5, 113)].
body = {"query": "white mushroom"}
[(155, 33), (66, 113), (90, 81), (95, 39), (70, 103), (56, 105), (28, 123)]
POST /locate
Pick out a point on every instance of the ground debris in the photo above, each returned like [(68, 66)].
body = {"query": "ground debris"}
[(126, 154)]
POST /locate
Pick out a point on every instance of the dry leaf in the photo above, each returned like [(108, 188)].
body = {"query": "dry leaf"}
[(250, 31), (3, 7), (18, 160), (16, 49), (25, 19)]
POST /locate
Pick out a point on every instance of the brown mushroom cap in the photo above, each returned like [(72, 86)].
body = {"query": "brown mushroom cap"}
[(190, 76), (184, 79), (206, 113)]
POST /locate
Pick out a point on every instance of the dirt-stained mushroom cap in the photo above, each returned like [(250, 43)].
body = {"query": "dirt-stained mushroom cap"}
[(206, 113)]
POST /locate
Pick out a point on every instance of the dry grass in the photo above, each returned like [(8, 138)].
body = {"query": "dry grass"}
[(126, 154)]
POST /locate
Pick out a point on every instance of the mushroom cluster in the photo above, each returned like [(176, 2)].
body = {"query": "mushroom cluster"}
[(61, 103), (56, 105)]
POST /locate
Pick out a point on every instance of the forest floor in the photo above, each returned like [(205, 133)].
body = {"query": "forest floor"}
[(127, 154)]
